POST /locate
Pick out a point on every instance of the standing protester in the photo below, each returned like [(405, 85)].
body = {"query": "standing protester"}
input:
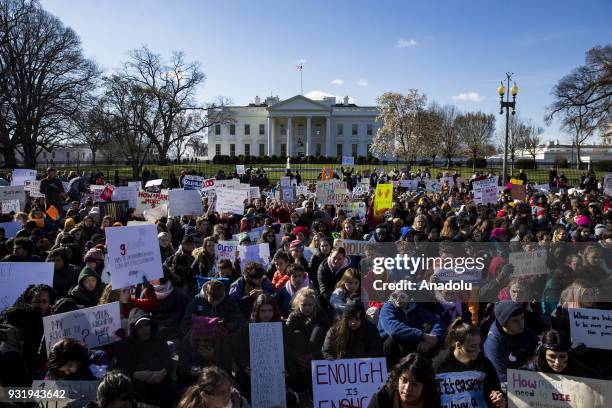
[(52, 188)]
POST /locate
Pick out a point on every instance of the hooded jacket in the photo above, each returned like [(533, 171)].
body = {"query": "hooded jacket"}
[(84, 297), (65, 278), (228, 311), (328, 277)]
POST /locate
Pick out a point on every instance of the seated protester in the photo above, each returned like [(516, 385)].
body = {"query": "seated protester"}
[(320, 255), (204, 263), (554, 355), (509, 343), (518, 290), (116, 390), (69, 361), (65, 275), (411, 384), (187, 246), (296, 251), (306, 325), (347, 287), (23, 251), (13, 369), (211, 301), (298, 279), (280, 261), (94, 258), (331, 271), (245, 289), (213, 389), (165, 246), (579, 294), (145, 358), (127, 302), (405, 326), (462, 353), (352, 336), (204, 346), (89, 288), (168, 310), (227, 270)]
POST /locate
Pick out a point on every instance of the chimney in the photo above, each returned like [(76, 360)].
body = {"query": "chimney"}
[(346, 100), (257, 100)]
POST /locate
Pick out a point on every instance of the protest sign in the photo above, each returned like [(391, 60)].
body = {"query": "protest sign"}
[(133, 253), (71, 393), (432, 186), (19, 176), (208, 188), (192, 182), (97, 192), (516, 182), (184, 202), (528, 263), (267, 365), (33, 187), (527, 389), (462, 389), (348, 161), (347, 382), (607, 184), (353, 247), (118, 210), (591, 327), (240, 169), (485, 191), (148, 201), (411, 185), (15, 277), (13, 193), (287, 194), (301, 190), (230, 201), (95, 326), (545, 188), (331, 192), (259, 253), (383, 198), (285, 181), (9, 206), (518, 192), (153, 183), (226, 250), (11, 228), (254, 192), (327, 173), (107, 193), (136, 184), (130, 194), (354, 209)]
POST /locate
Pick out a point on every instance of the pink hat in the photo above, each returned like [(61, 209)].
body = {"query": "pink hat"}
[(498, 233), (582, 220), (295, 243), (204, 326)]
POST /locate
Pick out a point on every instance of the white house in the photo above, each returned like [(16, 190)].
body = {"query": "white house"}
[(297, 126)]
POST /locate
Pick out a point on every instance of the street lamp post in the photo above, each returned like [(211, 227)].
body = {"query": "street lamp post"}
[(507, 104)]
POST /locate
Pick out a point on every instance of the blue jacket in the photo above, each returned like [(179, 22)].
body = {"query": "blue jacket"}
[(507, 351), (236, 291), (408, 327)]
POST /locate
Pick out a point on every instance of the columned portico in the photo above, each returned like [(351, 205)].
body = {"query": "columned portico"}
[(270, 137), (328, 144), (289, 136), (308, 135)]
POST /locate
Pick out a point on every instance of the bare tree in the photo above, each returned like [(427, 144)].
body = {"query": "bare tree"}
[(476, 131), (450, 141), (431, 133), (532, 140), (89, 128)]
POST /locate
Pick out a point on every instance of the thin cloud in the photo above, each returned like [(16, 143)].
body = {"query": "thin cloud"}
[(318, 95), (337, 82), (362, 82), (469, 97), (405, 43)]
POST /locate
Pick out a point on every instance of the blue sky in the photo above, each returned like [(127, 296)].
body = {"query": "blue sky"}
[(454, 51)]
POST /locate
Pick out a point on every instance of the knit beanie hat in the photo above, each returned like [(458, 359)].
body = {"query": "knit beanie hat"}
[(69, 224), (506, 309), (95, 254), (206, 327), (582, 220)]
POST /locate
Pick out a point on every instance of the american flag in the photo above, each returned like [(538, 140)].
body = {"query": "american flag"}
[(299, 66)]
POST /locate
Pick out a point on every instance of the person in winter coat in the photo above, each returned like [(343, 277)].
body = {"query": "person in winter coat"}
[(168, 310), (212, 302), (251, 284), (89, 288), (331, 270), (509, 343), (145, 357), (462, 353), (352, 336), (348, 286), (69, 361), (65, 275), (320, 255), (213, 389), (128, 302), (298, 279), (405, 326)]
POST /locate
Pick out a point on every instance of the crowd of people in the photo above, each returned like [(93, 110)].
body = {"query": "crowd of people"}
[(185, 339)]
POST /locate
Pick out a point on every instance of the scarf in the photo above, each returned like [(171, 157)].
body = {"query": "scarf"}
[(292, 291), (163, 291)]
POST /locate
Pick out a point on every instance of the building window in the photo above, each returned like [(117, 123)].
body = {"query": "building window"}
[(232, 149), (354, 129), (217, 130), (232, 130), (262, 129), (283, 151), (354, 150), (247, 129), (283, 130), (218, 149), (247, 149), (339, 129), (262, 148), (300, 130), (318, 149), (369, 129), (339, 149)]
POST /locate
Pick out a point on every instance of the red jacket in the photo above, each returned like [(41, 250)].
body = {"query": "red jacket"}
[(147, 303)]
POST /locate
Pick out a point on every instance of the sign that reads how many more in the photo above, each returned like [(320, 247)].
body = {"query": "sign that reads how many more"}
[(147, 201)]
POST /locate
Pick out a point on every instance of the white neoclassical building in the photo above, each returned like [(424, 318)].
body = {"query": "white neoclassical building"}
[(297, 126)]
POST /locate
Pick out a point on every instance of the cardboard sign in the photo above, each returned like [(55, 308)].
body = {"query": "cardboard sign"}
[(153, 183), (411, 185), (527, 263), (348, 161), (528, 389), (485, 191), (592, 327), (13, 193), (15, 277), (19, 176), (267, 363), (184, 202), (347, 382), (9, 206), (191, 182), (607, 184), (518, 192), (240, 169), (353, 247), (11, 228), (118, 210), (95, 326), (133, 253), (462, 389), (230, 201), (147, 201), (383, 197), (259, 253), (107, 193)]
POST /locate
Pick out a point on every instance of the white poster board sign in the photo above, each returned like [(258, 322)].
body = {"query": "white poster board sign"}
[(19, 176), (240, 169), (13, 193), (9, 206), (11, 228), (130, 194), (33, 187), (527, 263), (259, 253), (254, 192), (15, 277), (133, 253), (462, 389), (333, 385), (301, 190), (230, 200), (184, 202), (353, 247), (348, 161), (153, 183), (267, 362), (226, 250), (148, 201), (285, 181), (95, 326), (411, 185), (485, 191), (591, 327)]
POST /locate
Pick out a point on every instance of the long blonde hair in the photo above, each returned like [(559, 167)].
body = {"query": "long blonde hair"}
[(300, 296)]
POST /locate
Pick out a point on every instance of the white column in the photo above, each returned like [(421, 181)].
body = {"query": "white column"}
[(289, 137), (328, 144), (308, 136), (270, 144)]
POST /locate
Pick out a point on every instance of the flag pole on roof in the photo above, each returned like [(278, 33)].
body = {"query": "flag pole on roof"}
[(300, 68)]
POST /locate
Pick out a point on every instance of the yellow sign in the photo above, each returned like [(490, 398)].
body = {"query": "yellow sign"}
[(516, 182), (383, 198)]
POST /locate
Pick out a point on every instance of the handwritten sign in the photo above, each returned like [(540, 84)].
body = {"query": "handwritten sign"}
[(9, 206), (208, 188), (348, 161), (528, 263), (191, 182), (287, 194), (354, 209), (95, 326), (301, 190), (591, 327), (240, 169), (230, 201), (259, 253), (19, 176), (33, 187), (347, 382), (184, 202), (607, 184), (13, 193), (267, 365), (254, 192), (485, 191), (528, 389), (463, 389), (148, 201), (331, 192), (133, 253), (383, 198), (352, 247), (15, 277), (226, 250)]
